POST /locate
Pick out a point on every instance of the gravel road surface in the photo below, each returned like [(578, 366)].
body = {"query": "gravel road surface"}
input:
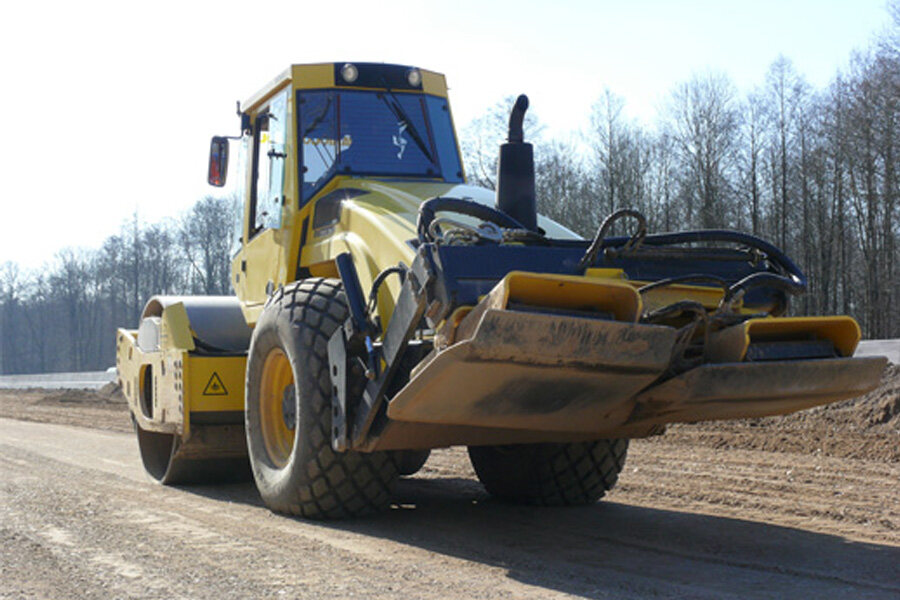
[(78, 519)]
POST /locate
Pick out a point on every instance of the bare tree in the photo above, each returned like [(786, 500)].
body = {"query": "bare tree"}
[(480, 140), (563, 191), (205, 233), (753, 126), (10, 317), (704, 121), (610, 138), (784, 88)]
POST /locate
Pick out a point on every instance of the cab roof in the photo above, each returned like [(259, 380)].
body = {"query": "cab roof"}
[(368, 76)]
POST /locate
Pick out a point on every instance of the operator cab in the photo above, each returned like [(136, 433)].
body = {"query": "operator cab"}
[(353, 119), (316, 128), (391, 129)]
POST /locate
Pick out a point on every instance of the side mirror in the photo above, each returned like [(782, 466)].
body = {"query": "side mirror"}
[(218, 161)]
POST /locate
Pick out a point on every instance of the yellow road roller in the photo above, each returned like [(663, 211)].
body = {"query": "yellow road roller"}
[(383, 307)]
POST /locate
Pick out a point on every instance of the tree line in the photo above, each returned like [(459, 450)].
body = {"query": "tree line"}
[(64, 317), (813, 170)]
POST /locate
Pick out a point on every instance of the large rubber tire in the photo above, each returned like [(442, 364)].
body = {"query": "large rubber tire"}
[(410, 461), (550, 474), (299, 473)]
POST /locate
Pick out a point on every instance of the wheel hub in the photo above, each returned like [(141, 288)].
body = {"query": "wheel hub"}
[(289, 407), (278, 407)]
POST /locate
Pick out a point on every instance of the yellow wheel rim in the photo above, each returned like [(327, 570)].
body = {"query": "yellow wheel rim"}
[(277, 410)]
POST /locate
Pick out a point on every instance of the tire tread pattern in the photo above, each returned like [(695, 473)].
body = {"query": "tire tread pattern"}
[(569, 474), (331, 484)]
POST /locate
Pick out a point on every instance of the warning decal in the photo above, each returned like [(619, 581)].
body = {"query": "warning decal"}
[(215, 387)]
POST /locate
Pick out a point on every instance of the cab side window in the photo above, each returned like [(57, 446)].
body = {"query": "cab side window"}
[(269, 155), (244, 152), (319, 141)]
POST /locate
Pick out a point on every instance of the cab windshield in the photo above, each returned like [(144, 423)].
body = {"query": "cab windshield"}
[(375, 133)]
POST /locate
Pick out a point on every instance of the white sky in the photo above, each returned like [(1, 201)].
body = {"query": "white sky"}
[(108, 107)]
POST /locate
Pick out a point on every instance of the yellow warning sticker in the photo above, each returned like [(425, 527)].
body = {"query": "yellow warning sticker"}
[(215, 387)]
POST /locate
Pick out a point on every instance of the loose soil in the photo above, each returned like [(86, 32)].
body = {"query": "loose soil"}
[(105, 408), (806, 505)]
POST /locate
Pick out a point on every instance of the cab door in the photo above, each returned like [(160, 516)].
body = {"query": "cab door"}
[(264, 239)]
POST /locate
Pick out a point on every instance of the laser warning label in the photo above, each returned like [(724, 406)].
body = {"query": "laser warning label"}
[(215, 387)]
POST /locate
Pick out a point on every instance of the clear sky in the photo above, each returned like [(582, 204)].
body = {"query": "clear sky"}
[(108, 107)]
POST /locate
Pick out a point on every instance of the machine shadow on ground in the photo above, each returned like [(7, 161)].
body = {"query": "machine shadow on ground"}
[(614, 548)]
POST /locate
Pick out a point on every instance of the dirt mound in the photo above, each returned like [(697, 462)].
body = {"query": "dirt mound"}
[(112, 392), (73, 396), (867, 427), (876, 411), (882, 407), (108, 394), (105, 408)]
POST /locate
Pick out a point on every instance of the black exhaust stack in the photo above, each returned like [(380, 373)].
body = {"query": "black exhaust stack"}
[(515, 171)]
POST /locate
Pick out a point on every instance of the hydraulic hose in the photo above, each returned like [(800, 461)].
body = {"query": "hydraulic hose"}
[(430, 207)]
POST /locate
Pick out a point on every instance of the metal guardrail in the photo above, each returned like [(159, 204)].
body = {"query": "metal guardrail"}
[(89, 380)]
